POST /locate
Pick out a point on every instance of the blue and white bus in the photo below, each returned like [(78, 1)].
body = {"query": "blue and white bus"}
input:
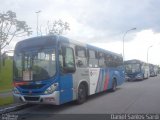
[(153, 70), (136, 70), (56, 70)]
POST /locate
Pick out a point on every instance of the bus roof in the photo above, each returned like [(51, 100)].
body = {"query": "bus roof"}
[(133, 61), (52, 39)]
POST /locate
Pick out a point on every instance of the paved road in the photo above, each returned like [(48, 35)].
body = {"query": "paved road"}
[(131, 97)]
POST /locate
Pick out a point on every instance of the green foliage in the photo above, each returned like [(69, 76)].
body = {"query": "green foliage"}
[(11, 27), (6, 75), (6, 100), (58, 27)]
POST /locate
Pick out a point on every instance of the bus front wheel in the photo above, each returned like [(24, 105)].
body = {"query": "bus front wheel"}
[(82, 94)]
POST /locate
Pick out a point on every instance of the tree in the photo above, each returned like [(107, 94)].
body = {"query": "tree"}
[(11, 27), (57, 28)]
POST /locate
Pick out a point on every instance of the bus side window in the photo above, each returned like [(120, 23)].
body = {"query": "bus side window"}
[(116, 62), (108, 60), (113, 61), (119, 62), (92, 61), (60, 60), (68, 60), (81, 56), (101, 59)]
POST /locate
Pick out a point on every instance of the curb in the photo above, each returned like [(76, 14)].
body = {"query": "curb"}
[(13, 108)]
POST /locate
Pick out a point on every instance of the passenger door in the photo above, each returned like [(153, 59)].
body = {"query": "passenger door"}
[(66, 77)]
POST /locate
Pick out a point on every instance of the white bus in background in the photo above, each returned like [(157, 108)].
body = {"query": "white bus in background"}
[(153, 70)]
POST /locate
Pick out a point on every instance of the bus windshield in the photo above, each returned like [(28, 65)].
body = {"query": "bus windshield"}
[(34, 64), (132, 68)]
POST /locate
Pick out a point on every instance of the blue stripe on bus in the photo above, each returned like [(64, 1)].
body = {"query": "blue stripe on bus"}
[(66, 85)]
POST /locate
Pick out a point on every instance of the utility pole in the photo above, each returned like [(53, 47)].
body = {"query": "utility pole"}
[(0, 49), (123, 45), (148, 52), (37, 21), (123, 40), (0, 57)]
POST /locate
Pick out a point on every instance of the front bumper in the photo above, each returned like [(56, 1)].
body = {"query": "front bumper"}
[(135, 78), (139, 77), (38, 99)]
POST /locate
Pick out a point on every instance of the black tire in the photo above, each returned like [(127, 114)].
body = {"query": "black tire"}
[(147, 76), (143, 77), (114, 86), (82, 94)]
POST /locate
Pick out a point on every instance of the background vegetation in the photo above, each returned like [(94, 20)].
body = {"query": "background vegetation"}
[(6, 75)]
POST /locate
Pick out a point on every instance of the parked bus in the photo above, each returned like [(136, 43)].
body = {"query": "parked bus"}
[(136, 70), (158, 69), (56, 70), (153, 70)]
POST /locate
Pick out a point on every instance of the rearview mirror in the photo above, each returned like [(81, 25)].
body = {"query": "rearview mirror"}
[(79, 63)]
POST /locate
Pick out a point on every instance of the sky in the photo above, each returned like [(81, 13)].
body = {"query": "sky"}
[(102, 23)]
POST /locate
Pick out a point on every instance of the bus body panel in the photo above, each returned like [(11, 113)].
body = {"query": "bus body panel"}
[(81, 75), (66, 85)]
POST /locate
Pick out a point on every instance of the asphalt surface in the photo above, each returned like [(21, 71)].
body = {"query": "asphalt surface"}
[(131, 97)]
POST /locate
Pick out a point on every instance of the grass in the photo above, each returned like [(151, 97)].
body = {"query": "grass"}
[(6, 81), (6, 76), (6, 100)]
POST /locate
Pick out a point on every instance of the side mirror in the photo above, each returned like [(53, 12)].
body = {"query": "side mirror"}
[(79, 63)]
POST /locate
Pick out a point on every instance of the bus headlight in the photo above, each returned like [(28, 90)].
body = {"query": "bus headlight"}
[(16, 91), (139, 76), (51, 89)]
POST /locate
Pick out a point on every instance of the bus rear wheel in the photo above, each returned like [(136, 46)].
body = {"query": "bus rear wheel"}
[(82, 94), (114, 86)]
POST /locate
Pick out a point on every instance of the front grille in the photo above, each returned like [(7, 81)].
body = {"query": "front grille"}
[(131, 76), (28, 98), (32, 86), (33, 92)]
